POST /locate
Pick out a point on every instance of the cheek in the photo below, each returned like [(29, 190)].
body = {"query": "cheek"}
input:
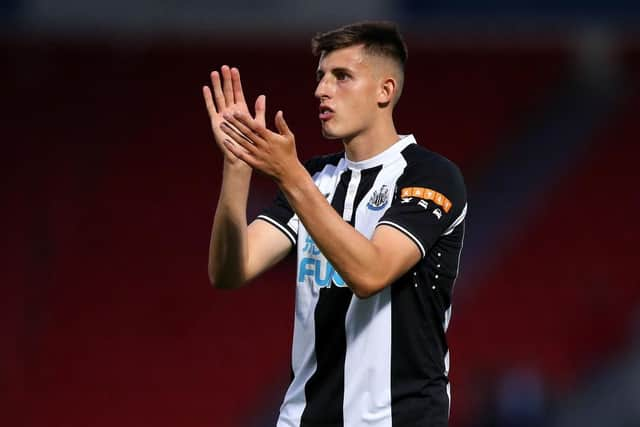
[(361, 98)]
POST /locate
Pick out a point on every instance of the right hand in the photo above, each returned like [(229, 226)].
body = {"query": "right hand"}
[(228, 97)]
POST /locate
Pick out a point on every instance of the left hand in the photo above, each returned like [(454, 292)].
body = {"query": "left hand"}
[(271, 153)]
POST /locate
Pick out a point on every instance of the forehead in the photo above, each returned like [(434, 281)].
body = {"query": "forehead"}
[(352, 57)]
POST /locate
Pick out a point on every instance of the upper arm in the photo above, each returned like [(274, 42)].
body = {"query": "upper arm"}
[(396, 254), (270, 236), (266, 246), (429, 203)]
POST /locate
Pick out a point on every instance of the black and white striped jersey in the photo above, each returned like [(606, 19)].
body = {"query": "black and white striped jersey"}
[(384, 360)]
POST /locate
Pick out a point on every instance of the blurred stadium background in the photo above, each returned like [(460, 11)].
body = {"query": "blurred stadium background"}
[(110, 180)]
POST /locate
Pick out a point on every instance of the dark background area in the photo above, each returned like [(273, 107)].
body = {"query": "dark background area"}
[(110, 181)]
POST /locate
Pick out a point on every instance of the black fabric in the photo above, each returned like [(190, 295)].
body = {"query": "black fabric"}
[(324, 391), (418, 383), (367, 179), (422, 296), (428, 170)]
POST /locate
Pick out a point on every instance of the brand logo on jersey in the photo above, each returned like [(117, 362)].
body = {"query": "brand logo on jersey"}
[(424, 204), (379, 199), (427, 194), (314, 266), (437, 212)]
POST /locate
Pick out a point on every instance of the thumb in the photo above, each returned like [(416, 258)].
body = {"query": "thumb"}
[(260, 107), (281, 125)]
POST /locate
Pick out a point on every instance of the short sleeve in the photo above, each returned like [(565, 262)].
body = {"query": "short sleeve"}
[(429, 201), (280, 215)]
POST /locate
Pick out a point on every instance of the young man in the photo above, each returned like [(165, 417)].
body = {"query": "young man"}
[(378, 230)]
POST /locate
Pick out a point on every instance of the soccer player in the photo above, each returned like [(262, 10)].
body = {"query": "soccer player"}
[(378, 231)]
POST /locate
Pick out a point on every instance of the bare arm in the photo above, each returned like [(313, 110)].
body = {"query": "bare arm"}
[(367, 266), (237, 252)]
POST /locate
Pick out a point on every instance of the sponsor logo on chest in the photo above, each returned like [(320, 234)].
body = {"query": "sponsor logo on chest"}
[(315, 268)]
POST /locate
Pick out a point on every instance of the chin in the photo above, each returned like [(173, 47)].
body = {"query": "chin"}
[(331, 134)]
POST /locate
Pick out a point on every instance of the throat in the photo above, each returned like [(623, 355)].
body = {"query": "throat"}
[(362, 148)]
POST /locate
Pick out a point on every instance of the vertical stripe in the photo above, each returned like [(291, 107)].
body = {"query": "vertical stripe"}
[(418, 383), (352, 189), (303, 361), (367, 395), (367, 387), (324, 390), (368, 183), (445, 327)]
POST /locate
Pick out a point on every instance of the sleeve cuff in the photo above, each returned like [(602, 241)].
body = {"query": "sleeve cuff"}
[(280, 227)]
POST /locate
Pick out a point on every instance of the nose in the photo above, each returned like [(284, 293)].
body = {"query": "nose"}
[(322, 89)]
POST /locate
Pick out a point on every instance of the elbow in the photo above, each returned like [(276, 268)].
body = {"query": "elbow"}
[(222, 283), (362, 293), (366, 288), (213, 280), (211, 276)]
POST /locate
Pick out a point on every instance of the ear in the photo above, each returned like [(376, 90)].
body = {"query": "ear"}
[(387, 91)]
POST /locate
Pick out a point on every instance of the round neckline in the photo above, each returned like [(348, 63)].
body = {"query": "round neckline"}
[(384, 156)]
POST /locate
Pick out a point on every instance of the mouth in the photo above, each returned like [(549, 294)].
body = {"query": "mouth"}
[(326, 113)]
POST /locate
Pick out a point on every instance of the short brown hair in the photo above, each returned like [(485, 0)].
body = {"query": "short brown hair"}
[(378, 37)]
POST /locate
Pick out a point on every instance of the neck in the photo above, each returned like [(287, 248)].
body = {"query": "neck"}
[(370, 142)]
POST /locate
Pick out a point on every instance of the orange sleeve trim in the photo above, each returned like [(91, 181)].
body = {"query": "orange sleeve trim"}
[(427, 194)]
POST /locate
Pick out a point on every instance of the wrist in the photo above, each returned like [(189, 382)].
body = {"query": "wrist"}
[(237, 174), (295, 178), (236, 167)]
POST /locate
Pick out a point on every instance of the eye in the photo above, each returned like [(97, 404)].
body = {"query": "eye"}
[(342, 76)]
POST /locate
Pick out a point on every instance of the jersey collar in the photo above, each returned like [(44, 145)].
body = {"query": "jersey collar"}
[(384, 157)]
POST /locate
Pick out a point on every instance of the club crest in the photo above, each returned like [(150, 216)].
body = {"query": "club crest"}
[(379, 199)]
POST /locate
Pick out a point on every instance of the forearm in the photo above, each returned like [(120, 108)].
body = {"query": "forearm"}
[(354, 256), (228, 246)]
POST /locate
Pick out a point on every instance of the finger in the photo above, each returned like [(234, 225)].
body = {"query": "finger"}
[(239, 152), (208, 101), (227, 141), (227, 89), (261, 108), (281, 124), (217, 90), (236, 84), (236, 136), (243, 129), (249, 127)]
